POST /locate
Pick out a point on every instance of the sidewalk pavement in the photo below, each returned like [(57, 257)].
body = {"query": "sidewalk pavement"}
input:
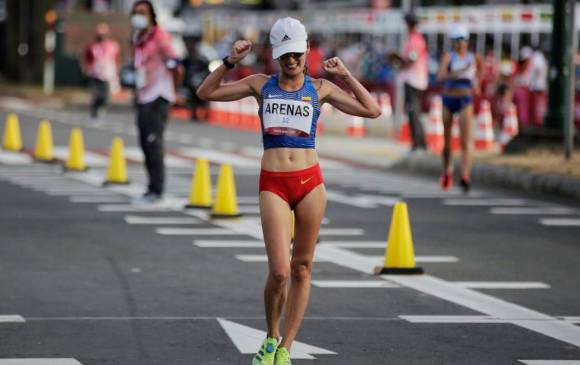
[(543, 171)]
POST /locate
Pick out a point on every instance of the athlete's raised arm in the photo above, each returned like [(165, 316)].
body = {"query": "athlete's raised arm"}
[(212, 88), (362, 104)]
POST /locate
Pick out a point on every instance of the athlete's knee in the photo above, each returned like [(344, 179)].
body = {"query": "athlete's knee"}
[(301, 269), (280, 275)]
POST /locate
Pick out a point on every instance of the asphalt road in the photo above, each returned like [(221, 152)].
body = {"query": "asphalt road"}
[(87, 278)]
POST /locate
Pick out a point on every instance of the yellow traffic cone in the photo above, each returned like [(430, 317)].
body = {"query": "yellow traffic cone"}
[(117, 171), (12, 140), (43, 150), (200, 194), (226, 204), (76, 151), (399, 255)]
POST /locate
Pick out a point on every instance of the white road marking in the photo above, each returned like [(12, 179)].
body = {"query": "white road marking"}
[(502, 284), (436, 194), (97, 199), (135, 154), (341, 232), (195, 232), (91, 159), (14, 158), (353, 284), (228, 244), (479, 302), (47, 361), (550, 362), (135, 219), (264, 258), (357, 244), (219, 157), (531, 211), (485, 202), (134, 208), (360, 200), (11, 318), (453, 319), (248, 340), (575, 320), (85, 191), (560, 222)]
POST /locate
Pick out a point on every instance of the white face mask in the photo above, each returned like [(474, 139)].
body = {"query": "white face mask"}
[(139, 21)]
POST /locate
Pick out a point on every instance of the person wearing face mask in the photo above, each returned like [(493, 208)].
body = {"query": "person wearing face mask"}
[(101, 62), (158, 75), (290, 179)]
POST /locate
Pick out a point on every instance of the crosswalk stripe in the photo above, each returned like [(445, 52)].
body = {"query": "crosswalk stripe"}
[(354, 284), (531, 211), (195, 231), (11, 318), (135, 219), (484, 202), (48, 361), (502, 284), (560, 222)]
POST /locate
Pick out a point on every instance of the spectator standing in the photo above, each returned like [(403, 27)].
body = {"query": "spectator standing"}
[(158, 75), (101, 61), (414, 75)]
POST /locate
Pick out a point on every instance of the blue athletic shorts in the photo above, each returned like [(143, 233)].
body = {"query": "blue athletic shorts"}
[(456, 103)]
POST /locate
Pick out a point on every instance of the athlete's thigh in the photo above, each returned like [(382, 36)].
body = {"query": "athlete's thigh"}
[(466, 121), (447, 122), (308, 217), (276, 225)]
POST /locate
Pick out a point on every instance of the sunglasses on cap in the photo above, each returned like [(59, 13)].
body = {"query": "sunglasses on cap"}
[(295, 55)]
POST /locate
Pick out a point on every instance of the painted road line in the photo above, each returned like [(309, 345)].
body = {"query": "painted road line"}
[(77, 192), (219, 157), (467, 202), (171, 160), (247, 340), (128, 208), (264, 258), (419, 259), (360, 201), (354, 284), (11, 318), (550, 362), (479, 302), (98, 199), (195, 232), (502, 284), (48, 361), (560, 222), (341, 232), (575, 320), (14, 158), (228, 244), (453, 319), (91, 159), (531, 211), (136, 219)]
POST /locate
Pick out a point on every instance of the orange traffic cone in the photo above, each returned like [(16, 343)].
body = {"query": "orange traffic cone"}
[(510, 126), (435, 138), (484, 139), (356, 127), (405, 133)]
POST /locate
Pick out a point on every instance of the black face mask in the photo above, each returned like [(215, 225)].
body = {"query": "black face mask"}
[(100, 38)]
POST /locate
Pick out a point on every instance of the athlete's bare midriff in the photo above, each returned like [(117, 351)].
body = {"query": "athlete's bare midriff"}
[(288, 159)]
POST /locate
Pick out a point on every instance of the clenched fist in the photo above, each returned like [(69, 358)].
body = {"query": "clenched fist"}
[(240, 49), (334, 66)]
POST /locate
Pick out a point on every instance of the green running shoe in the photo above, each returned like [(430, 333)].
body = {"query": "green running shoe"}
[(282, 357), (265, 355)]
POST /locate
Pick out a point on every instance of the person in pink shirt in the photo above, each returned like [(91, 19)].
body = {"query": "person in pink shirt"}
[(101, 62), (414, 75), (158, 74)]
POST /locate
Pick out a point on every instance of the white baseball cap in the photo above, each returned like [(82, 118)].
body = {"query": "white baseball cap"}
[(288, 35), (459, 32)]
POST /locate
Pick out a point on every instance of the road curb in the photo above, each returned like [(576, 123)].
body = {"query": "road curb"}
[(502, 176)]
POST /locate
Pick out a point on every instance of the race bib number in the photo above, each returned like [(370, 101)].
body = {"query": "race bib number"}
[(287, 117)]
